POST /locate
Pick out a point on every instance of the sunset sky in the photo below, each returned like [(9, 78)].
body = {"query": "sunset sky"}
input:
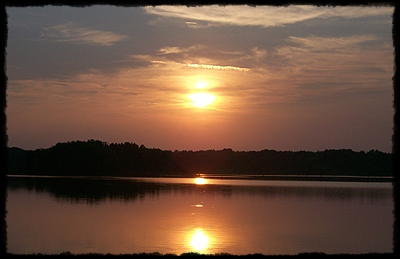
[(199, 78)]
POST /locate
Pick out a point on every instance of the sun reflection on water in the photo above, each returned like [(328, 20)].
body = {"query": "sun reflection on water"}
[(200, 180), (199, 240)]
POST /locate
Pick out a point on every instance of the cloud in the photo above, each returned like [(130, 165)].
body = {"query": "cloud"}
[(259, 53), (200, 57), (169, 50), (263, 16), (205, 66), (174, 49), (331, 66), (341, 52), (316, 43), (306, 68), (70, 32)]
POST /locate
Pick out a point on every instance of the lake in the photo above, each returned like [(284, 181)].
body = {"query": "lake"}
[(51, 215)]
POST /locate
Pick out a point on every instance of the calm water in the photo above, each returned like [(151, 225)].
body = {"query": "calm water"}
[(176, 215)]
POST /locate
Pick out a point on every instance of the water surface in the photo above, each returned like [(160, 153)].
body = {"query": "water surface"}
[(175, 215)]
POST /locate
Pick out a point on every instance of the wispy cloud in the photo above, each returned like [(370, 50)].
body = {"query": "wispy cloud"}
[(70, 32), (344, 53), (263, 16), (330, 66), (174, 49), (317, 43), (200, 57), (205, 66)]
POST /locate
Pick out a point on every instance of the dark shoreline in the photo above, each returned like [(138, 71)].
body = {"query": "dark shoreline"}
[(302, 255), (321, 178), (308, 178), (95, 157)]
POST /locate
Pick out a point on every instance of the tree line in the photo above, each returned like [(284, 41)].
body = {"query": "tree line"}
[(98, 158)]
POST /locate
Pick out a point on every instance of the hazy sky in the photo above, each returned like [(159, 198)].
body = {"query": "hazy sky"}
[(199, 78)]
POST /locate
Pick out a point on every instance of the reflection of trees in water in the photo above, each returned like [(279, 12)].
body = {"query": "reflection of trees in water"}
[(95, 191), (339, 193)]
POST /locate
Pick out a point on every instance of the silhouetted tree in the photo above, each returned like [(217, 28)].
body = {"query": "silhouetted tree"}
[(94, 157)]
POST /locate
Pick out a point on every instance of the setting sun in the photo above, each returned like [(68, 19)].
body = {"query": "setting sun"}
[(201, 100)]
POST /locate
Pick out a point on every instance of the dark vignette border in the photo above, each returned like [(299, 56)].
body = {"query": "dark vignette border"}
[(3, 76)]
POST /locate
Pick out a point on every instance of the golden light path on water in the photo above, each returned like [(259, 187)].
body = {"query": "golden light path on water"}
[(199, 240)]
